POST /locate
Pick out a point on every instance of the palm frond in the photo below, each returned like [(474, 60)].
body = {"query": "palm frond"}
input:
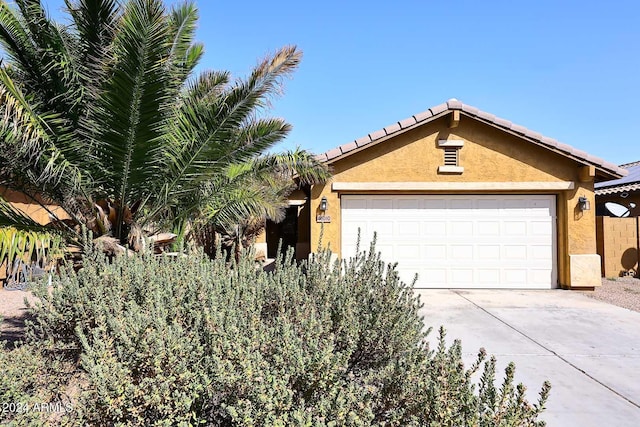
[(215, 125), (182, 29), (15, 40), (94, 26), (298, 164), (133, 107), (234, 206), (95, 22), (25, 139), (46, 66)]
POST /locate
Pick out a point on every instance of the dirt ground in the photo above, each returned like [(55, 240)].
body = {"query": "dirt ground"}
[(13, 312)]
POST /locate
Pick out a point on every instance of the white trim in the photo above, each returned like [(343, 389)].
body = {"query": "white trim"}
[(450, 169), (454, 186), (450, 143)]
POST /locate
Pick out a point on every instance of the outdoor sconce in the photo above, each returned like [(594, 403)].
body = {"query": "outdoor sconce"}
[(584, 203), (323, 204)]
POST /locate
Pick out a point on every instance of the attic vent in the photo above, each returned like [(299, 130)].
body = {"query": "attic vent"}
[(450, 156), (451, 150)]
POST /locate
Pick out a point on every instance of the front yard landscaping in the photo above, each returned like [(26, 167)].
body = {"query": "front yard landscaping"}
[(620, 291), (160, 341)]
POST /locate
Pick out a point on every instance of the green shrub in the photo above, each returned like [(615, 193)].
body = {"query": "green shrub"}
[(184, 341), (33, 386)]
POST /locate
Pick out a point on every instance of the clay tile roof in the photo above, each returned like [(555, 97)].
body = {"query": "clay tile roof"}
[(440, 108), (350, 146), (362, 141), (392, 128), (605, 168), (407, 122), (631, 182)]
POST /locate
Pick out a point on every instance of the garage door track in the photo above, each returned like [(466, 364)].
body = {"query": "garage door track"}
[(587, 349)]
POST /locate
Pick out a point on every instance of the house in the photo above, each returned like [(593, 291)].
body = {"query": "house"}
[(462, 198), (623, 191), (31, 208), (617, 223)]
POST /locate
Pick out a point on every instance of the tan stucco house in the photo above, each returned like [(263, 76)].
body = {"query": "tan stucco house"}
[(460, 197)]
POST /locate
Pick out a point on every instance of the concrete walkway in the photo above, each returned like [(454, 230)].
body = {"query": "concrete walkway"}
[(589, 350)]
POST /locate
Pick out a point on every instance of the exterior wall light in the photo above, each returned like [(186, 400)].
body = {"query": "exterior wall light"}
[(584, 203), (323, 204)]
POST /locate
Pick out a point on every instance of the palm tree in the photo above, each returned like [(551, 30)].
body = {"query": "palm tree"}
[(106, 118)]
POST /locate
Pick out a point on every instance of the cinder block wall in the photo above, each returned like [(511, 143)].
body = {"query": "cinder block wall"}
[(617, 244)]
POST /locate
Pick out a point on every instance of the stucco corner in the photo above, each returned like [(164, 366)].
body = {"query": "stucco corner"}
[(585, 271)]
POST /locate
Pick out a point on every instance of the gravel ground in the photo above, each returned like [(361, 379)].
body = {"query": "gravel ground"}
[(621, 291)]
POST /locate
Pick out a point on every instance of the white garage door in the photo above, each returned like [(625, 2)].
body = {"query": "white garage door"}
[(458, 241)]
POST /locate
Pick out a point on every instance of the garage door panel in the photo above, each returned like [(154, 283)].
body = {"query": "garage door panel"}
[(514, 252), (488, 228), (459, 277), (408, 252), (381, 228), (434, 252), (433, 228), (408, 229), (408, 204), (460, 204), (381, 204), (540, 276), (515, 228), (515, 276), (487, 277), (503, 240), (434, 275), (434, 205), (352, 204), (489, 252), (460, 253), (540, 228), (461, 228)]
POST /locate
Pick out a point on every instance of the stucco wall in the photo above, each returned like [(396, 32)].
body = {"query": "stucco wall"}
[(488, 155), (617, 245), (28, 206)]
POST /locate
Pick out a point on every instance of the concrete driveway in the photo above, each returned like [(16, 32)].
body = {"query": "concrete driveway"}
[(589, 350)]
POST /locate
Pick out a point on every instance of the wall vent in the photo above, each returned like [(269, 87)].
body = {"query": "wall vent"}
[(451, 150), (450, 156)]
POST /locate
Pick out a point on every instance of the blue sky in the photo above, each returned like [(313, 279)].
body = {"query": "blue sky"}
[(567, 69)]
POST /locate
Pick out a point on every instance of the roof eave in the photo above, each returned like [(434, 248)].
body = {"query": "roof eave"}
[(604, 170), (363, 145)]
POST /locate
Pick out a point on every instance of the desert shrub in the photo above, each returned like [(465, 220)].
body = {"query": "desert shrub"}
[(162, 341), (33, 386)]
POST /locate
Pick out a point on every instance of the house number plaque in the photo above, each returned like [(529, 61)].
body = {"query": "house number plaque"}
[(323, 218)]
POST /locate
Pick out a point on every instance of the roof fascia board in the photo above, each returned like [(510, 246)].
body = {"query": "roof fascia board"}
[(389, 136)]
